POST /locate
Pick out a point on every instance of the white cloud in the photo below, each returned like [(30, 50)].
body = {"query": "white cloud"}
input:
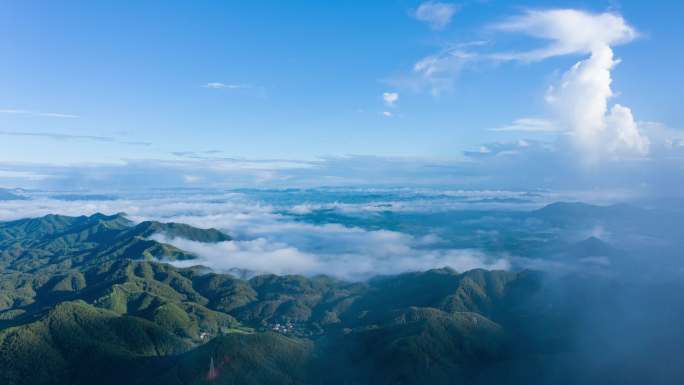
[(62, 136), (581, 103), (436, 15), (347, 253), (626, 135), (438, 72), (529, 125), (387, 114), (665, 139), (581, 99), (570, 32), (258, 255), (192, 178), (510, 148), (219, 86), (265, 241), (38, 113), (22, 176), (390, 98)]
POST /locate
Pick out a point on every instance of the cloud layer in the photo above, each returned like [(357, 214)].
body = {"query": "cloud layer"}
[(350, 254), (347, 233), (493, 166), (266, 240)]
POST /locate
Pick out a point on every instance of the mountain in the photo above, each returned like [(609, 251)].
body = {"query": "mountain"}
[(78, 343), (591, 247), (179, 230), (93, 300), (564, 212), (256, 359), (70, 286)]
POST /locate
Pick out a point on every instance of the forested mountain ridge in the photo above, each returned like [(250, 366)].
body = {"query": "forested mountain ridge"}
[(92, 300)]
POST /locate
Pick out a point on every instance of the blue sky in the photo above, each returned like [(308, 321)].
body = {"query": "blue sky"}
[(95, 84)]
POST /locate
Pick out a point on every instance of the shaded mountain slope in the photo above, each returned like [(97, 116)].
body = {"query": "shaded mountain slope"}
[(256, 359)]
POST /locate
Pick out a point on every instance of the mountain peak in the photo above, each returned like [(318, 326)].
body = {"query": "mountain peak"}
[(592, 247), (180, 230)]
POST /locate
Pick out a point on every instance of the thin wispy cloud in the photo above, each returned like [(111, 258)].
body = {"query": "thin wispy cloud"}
[(435, 14), (135, 143), (437, 73), (13, 175), (528, 125), (38, 113), (568, 31), (227, 163), (225, 86), (62, 137)]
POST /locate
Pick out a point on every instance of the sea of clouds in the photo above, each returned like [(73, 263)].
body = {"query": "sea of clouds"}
[(269, 235)]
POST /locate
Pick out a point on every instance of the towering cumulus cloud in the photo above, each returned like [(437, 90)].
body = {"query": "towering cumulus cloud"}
[(581, 99), (581, 102)]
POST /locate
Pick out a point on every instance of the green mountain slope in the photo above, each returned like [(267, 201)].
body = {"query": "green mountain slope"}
[(78, 343), (88, 300)]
